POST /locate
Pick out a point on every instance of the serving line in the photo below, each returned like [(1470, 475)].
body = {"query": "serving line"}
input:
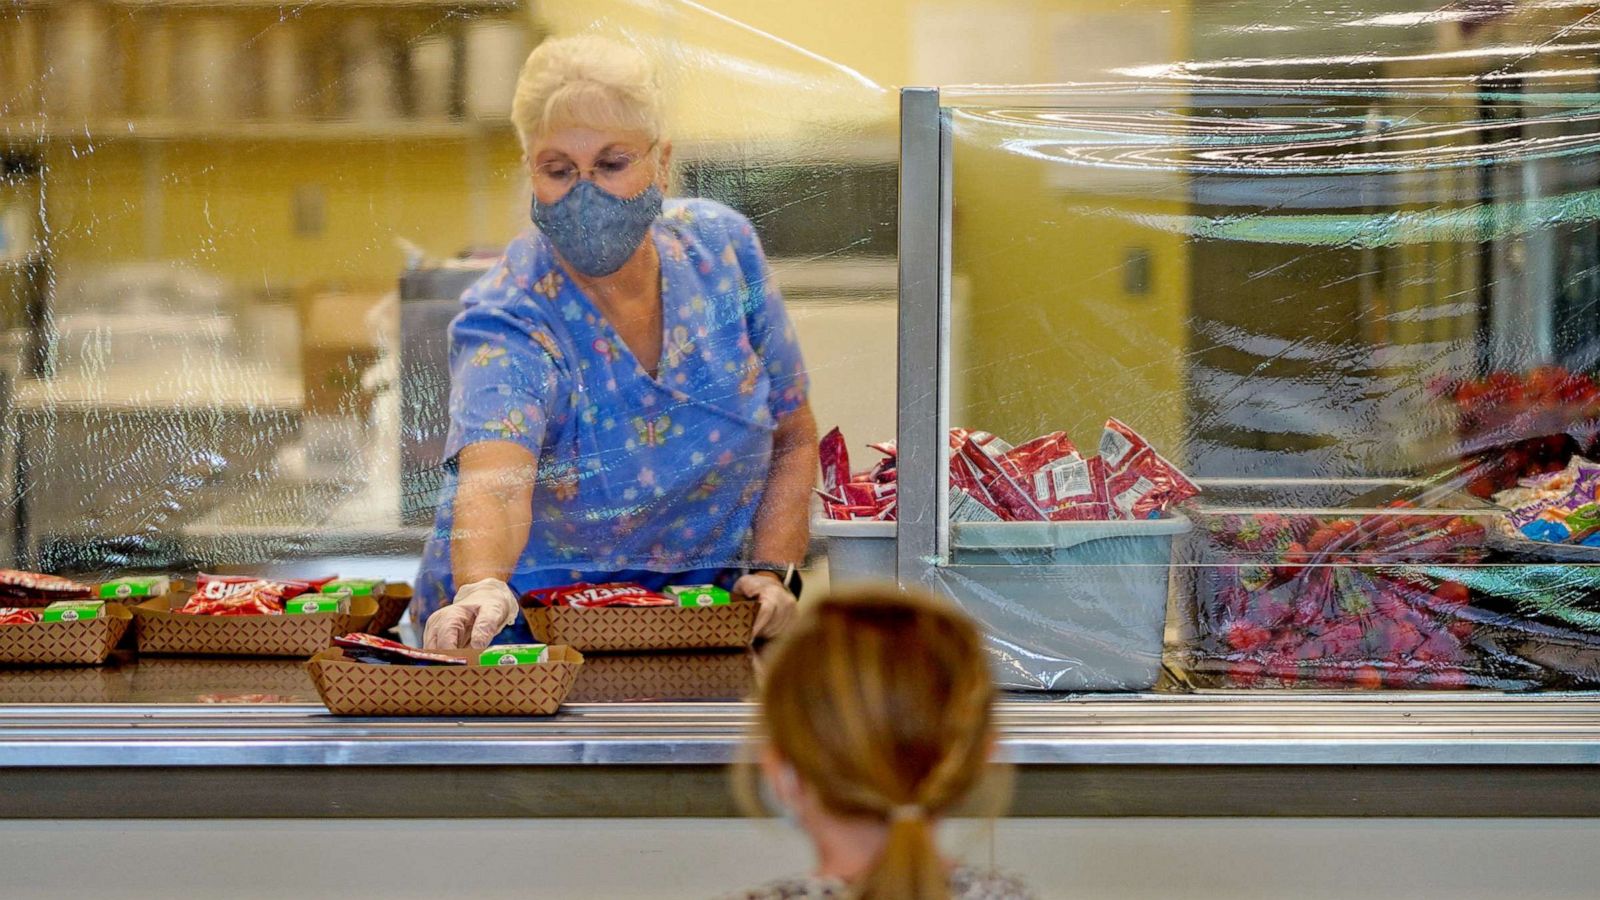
[(1135, 730)]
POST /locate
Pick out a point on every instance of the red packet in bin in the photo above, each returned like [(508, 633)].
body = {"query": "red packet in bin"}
[(1139, 482), (835, 458), (1057, 480)]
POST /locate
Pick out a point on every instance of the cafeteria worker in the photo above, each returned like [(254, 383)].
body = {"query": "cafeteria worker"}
[(627, 398)]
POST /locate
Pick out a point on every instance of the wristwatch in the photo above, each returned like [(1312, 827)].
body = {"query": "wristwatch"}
[(787, 574)]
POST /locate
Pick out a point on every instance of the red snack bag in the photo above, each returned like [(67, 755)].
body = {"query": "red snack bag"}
[(1119, 444), (1056, 479), (596, 596), (371, 648), (16, 583), (1037, 453), (965, 507), (866, 493), (1139, 482), (887, 448), (970, 500), (243, 595), (12, 616), (835, 457), (982, 452)]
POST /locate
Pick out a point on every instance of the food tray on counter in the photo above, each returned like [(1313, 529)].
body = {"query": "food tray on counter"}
[(351, 688), (392, 605), (85, 642), (633, 629), (161, 631)]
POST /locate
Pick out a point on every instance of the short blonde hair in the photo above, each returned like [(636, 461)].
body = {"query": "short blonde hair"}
[(586, 82)]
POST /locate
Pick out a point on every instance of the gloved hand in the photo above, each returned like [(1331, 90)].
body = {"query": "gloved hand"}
[(778, 606), (480, 611)]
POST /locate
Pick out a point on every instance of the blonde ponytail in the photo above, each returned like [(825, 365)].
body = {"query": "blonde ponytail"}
[(910, 867), (883, 704)]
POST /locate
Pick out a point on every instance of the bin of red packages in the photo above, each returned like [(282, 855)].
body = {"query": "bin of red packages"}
[(1045, 479)]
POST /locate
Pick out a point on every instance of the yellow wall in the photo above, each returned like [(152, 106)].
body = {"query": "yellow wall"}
[(228, 207), (1047, 341), (1046, 338)]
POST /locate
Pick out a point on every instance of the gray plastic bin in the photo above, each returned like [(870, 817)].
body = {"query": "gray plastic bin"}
[(1067, 606)]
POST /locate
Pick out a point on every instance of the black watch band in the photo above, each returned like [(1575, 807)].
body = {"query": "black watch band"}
[(788, 575)]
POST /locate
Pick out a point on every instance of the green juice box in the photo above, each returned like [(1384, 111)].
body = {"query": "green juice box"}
[(134, 587), (72, 611), (355, 587), (699, 595), (310, 604), (513, 655)]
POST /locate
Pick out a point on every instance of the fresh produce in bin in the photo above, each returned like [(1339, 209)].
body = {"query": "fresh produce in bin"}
[(1045, 479), (1353, 625), (1327, 598), (1514, 426)]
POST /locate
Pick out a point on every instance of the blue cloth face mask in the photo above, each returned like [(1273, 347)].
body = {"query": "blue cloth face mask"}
[(594, 230)]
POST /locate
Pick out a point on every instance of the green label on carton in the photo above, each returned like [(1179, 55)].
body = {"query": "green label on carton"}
[(310, 604), (355, 587), (72, 610), (513, 655), (700, 595), (124, 588)]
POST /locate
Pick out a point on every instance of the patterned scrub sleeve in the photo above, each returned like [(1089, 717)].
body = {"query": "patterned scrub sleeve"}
[(505, 377), (771, 331)]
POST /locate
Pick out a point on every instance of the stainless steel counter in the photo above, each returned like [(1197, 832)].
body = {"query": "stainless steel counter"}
[(1103, 730), (184, 737)]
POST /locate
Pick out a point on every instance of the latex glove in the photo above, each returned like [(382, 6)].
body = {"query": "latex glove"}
[(480, 611), (778, 606)]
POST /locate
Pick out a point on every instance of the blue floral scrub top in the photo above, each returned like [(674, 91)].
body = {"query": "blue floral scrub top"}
[(635, 473)]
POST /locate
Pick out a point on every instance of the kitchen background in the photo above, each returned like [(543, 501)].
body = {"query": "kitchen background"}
[(232, 231)]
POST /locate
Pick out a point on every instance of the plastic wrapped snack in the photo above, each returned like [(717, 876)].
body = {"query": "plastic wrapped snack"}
[(373, 649), (18, 584), (10, 615), (1044, 479), (598, 596), (240, 595)]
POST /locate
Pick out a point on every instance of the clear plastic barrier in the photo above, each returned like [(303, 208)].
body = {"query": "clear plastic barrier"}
[(1281, 352)]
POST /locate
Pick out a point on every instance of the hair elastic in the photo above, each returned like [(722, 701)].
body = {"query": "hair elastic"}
[(906, 812)]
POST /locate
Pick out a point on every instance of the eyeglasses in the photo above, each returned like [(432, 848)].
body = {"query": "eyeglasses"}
[(610, 171)]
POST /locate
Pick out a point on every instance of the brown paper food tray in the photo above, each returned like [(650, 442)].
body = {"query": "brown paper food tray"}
[(628, 677), (350, 688), (630, 629), (392, 604), (87, 642), (162, 631)]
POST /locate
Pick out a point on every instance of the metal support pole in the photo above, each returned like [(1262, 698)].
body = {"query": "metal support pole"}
[(920, 434)]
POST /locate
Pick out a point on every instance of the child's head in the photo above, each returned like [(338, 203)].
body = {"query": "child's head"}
[(878, 706)]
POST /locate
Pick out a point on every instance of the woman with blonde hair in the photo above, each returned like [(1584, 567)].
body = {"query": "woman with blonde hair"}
[(628, 401), (877, 718)]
